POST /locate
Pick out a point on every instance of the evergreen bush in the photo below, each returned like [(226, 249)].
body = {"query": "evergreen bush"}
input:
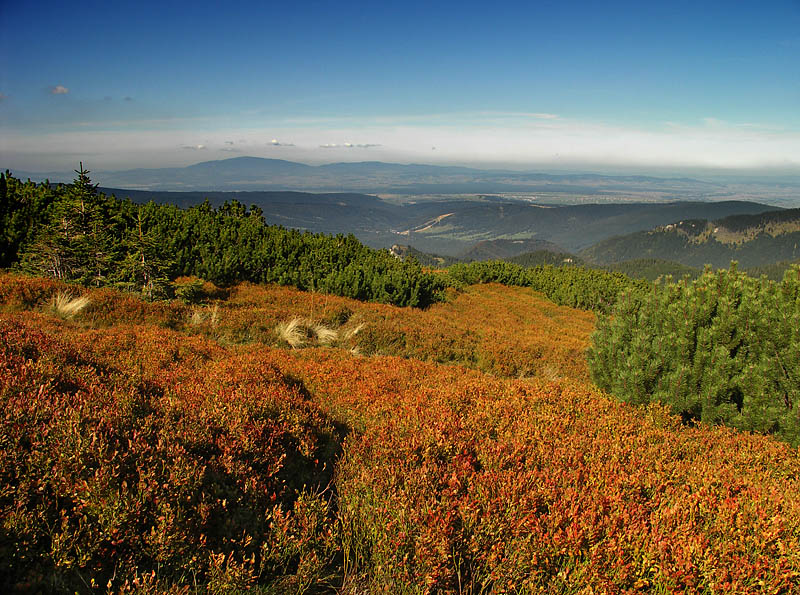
[(577, 287), (723, 349)]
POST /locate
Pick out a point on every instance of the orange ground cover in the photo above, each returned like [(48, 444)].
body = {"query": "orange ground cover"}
[(142, 451)]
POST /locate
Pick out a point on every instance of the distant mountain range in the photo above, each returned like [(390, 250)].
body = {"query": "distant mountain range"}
[(254, 173), (453, 227), (571, 228), (473, 214)]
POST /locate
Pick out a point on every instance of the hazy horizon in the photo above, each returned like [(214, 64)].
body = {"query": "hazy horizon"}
[(722, 175)]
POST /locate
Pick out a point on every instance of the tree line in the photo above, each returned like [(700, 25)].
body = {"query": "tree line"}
[(574, 286), (75, 233)]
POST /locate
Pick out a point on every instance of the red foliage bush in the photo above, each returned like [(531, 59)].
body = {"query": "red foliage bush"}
[(138, 450)]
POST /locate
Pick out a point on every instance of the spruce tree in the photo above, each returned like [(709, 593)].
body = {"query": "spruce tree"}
[(144, 265), (73, 243)]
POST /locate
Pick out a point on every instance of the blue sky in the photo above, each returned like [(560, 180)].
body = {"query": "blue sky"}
[(547, 85)]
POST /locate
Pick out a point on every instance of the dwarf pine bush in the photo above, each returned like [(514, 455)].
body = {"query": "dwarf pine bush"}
[(722, 349), (577, 287)]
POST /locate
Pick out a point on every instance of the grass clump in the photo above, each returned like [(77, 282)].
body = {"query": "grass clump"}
[(66, 307), (323, 334), (204, 315), (292, 332), (303, 332)]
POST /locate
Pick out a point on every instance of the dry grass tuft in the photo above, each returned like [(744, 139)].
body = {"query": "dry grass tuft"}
[(293, 332), (323, 334), (213, 316), (352, 332), (302, 332), (67, 307), (202, 315), (197, 317)]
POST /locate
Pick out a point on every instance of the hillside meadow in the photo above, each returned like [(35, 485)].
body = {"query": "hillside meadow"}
[(279, 441)]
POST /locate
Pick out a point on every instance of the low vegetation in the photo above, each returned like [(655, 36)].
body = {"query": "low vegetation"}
[(144, 453), (651, 269), (66, 306)]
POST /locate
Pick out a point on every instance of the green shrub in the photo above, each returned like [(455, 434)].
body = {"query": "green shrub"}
[(723, 349), (577, 287), (189, 289)]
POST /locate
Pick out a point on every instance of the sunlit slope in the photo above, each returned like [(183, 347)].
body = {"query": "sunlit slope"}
[(162, 445), (508, 331), (526, 486)]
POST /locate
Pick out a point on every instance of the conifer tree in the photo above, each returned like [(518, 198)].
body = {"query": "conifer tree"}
[(144, 265), (73, 244)]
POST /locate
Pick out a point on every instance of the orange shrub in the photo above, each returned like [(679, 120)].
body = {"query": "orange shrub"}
[(457, 481), (136, 450)]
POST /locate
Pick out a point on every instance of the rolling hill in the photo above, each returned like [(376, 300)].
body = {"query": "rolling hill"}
[(506, 249), (256, 173), (169, 446), (755, 240), (453, 227)]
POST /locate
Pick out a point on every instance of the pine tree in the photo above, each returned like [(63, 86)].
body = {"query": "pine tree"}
[(144, 265), (73, 244), (722, 349)]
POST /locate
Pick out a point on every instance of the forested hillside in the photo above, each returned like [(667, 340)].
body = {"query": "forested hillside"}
[(752, 240), (75, 233), (452, 224), (652, 268), (506, 249)]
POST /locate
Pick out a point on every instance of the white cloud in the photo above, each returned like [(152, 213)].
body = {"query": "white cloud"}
[(275, 143), (193, 147), (59, 90), (349, 146)]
